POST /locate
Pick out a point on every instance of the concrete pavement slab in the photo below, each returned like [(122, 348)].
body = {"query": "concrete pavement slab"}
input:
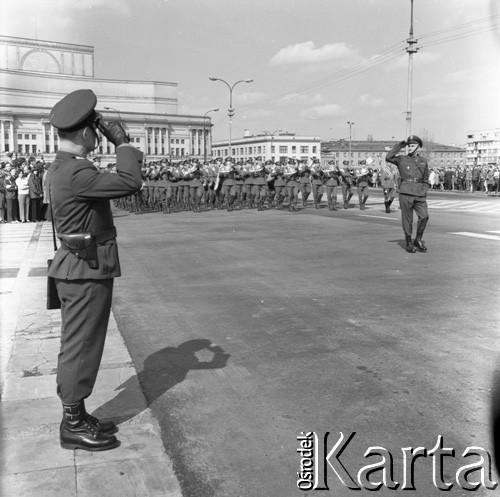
[(31, 459), (55, 482)]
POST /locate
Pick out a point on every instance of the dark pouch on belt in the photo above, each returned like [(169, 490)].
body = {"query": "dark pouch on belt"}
[(83, 245), (53, 301)]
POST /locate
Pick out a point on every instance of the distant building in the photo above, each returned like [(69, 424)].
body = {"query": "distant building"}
[(36, 74), (437, 154), (275, 147), (483, 147)]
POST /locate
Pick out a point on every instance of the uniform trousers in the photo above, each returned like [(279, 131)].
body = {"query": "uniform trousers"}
[(389, 194), (85, 309), (331, 192), (410, 204)]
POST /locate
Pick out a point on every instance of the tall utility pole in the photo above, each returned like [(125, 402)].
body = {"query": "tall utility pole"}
[(411, 49), (351, 124)]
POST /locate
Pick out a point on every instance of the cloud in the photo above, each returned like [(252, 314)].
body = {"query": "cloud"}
[(419, 58), (301, 99), (60, 17), (247, 97), (438, 99), (322, 111), (308, 53), (367, 100)]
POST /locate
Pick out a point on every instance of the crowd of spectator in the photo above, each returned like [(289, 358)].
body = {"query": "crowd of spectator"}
[(21, 190), (485, 178), (23, 196)]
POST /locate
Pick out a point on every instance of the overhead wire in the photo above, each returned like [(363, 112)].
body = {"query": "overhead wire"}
[(387, 55)]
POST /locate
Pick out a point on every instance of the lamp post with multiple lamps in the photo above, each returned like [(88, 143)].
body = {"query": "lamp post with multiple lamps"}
[(117, 111), (205, 133), (351, 124), (230, 111)]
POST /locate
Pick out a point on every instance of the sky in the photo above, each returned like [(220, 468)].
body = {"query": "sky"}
[(315, 64)]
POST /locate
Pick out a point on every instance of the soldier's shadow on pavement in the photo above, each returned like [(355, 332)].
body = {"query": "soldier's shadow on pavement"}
[(162, 370), (401, 242)]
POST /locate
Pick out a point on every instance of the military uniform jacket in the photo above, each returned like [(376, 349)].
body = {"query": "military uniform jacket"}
[(413, 172), (79, 196), (387, 178)]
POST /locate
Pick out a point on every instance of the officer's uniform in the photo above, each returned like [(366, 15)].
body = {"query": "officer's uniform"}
[(362, 176), (332, 182), (388, 184), (346, 182), (317, 179), (413, 187), (80, 201), (305, 185)]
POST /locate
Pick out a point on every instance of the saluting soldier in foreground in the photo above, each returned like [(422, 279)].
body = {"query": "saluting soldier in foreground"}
[(87, 262), (414, 184)]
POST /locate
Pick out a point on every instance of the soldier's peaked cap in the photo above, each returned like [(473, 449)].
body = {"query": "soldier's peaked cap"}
[(414, 139), (74, 111)]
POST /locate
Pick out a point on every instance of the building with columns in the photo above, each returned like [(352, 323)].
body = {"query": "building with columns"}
[(35, 74)]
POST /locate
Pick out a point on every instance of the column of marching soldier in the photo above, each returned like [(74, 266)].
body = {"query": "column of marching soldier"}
[(226, 184)]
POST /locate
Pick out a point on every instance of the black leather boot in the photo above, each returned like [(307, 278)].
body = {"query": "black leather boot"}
[(418, 243), (409, 246), (104, 426), (387, 209), (79, 430)]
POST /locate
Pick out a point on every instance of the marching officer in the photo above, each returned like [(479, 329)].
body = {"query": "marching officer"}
[(388, 184), (362, 176), (346, 182), (414, 184), (331, 184), (86, 262)]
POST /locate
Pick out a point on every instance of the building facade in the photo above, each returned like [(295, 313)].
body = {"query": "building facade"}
[(483, 147), (438, 155), (274, 147), (35, 74)]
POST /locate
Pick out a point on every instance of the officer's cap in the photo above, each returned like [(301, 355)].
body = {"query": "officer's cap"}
[(74, 111), (414, 139)]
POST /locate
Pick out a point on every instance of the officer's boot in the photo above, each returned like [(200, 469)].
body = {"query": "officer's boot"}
[(79, 430), (389, 205), (318, 201), (334, 204), (108, 427), (365, 198), (260, 202), (329, 204), (418, 243), (409, 246), (167, 206), (348, 199), (387, 208), (361, 205), (304, 199)]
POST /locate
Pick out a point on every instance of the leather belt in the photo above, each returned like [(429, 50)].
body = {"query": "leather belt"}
[(412, 180)]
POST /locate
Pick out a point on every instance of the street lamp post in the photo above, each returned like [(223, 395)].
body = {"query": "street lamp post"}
[(230, 111), (205, 133), (351, 124), (117, 111), (271, 156)]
